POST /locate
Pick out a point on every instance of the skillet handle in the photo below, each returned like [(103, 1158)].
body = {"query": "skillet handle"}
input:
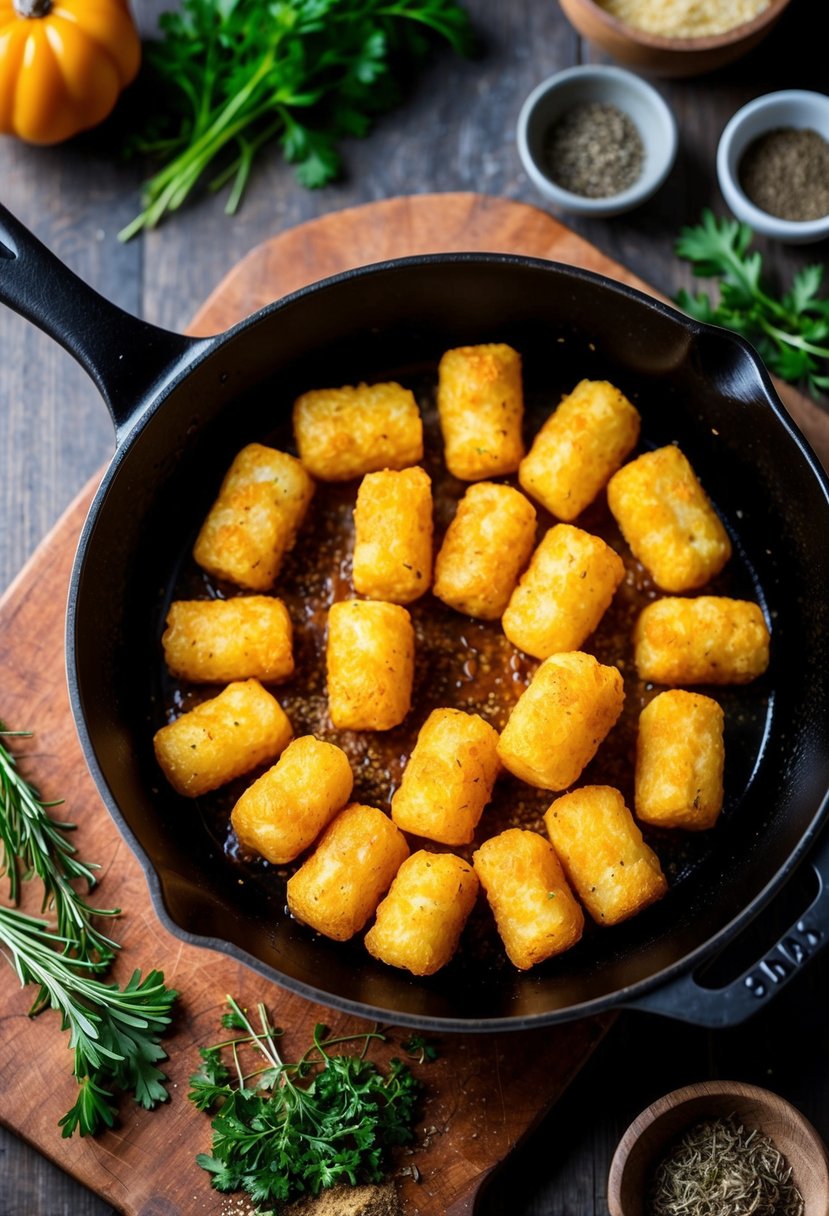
[(688, 1001), (128, 359)]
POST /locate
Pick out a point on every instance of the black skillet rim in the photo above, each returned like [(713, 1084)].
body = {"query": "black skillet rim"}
[(141, 416)]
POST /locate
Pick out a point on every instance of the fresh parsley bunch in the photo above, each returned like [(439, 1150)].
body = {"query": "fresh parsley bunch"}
[(237, 75), (114, 1032), (286, 1130), (790, 333)]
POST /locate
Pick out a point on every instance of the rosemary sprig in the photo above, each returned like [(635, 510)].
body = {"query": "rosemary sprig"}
[(114, 1032), (34, 845)]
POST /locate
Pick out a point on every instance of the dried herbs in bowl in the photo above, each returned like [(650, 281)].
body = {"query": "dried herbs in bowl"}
[(720, 1148)]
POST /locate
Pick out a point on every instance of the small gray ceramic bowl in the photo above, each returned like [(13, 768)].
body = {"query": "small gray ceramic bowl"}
[(609, 86), (789, 108)]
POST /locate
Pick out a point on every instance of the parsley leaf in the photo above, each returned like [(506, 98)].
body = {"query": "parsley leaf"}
[(790, 333), (419, 1047), (327, 1119), (234, 76)]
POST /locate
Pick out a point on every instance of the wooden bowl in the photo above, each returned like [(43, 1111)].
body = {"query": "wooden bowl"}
[(660, 56), (650, 1134)]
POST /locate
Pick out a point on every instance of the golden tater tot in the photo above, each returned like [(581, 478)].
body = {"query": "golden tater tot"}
[(481, 409), (709, 639), (679, 761), (345, 432), (564, 593), (579, 447), (449, 777), (557, 725), (484, 550), (534, 909), (370, 663), (340, 885), (241, 728), (667, 520), (393, 535), (253, 522), (284, 811), (216, 641), (614, 872), (420, 921)]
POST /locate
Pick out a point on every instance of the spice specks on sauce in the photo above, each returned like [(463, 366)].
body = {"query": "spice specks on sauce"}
[(460, 663), (785, 172), (594, 149)]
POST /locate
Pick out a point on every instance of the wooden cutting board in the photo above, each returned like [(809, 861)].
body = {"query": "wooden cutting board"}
[(485, 1092)]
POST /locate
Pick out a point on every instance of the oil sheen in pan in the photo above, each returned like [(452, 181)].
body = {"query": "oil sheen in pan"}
[(465, 664)]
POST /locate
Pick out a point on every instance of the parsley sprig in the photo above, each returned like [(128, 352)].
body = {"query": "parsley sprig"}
[(237, 75), (284, 1130), (789, 332), (113, 1032)]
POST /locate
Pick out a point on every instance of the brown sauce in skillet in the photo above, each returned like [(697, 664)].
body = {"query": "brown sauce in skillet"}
[(461, 663)]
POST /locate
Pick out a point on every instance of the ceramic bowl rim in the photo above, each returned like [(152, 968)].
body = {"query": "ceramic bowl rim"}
[(704, 42), (778, 107), (625, 83)]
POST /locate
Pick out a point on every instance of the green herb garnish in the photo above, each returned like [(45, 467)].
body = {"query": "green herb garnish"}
[(284, 1130), (790, 333), (34, 845), (420, 1048), (114, 1032), (238, 75)]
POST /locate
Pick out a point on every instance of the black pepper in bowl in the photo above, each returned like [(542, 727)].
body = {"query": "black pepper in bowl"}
[(595, 150), (785, 172)]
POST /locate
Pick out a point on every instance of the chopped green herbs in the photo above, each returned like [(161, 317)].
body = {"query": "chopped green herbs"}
[(790, 333), (284, 1130), (419, 1048), (114, 1032), (235, 76)]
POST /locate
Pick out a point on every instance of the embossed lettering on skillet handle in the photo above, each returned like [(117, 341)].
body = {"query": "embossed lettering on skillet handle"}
[(687, 1000)]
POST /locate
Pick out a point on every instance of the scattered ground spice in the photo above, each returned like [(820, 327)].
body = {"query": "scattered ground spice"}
[(352, 1201), (721, 1168), (594, 149), (684, 18), (786, 173)]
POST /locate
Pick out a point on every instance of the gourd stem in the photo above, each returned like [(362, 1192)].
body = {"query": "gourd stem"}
[(32, 8)]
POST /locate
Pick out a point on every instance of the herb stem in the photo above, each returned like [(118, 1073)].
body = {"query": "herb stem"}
[(242, 73)]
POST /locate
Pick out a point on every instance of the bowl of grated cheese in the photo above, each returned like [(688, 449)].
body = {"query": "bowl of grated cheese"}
[(674, 37)]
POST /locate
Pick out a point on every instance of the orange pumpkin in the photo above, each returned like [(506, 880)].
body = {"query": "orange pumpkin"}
[(63, 64)]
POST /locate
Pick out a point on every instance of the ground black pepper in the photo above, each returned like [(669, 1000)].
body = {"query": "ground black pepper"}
[(594, 149), (786, 173)]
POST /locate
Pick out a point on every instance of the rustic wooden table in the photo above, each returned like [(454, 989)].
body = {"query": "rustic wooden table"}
[(455, 132)]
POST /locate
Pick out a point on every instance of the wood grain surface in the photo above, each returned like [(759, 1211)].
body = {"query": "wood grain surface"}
[(455, 131), (486, 1091)]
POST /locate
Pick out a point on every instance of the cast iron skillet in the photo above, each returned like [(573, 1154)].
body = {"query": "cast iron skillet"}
[(182, 407)]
